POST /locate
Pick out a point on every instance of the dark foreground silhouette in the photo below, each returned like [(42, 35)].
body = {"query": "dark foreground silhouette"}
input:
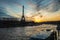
[(23, 23)]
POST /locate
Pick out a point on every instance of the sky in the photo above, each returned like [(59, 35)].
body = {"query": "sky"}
[(46, 8)]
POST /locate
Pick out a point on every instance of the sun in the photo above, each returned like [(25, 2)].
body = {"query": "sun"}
[(37, 19)]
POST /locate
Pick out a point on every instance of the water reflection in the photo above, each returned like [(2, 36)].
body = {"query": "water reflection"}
[(20, 33)]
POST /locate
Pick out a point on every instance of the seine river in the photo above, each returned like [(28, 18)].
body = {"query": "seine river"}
[(20, 33)]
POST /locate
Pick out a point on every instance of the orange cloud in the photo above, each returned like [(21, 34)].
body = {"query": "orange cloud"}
[(47, 16)]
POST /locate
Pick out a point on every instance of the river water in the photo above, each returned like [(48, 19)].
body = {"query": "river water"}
[(18, 33), (15, 33)]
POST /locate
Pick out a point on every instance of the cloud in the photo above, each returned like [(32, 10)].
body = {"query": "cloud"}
[(10, 8), (7, 1), (31, 4), (12, 13), (47, 16), (49, 10)]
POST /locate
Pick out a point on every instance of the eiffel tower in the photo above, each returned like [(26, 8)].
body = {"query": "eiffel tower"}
[(23, 17)]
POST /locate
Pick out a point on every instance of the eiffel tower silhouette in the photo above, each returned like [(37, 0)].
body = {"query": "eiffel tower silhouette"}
[(23, 17)]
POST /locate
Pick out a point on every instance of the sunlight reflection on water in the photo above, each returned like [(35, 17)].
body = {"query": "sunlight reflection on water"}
[(19, 33)]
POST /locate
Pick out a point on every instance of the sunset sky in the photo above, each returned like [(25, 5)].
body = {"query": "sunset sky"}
[(48, 9)]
